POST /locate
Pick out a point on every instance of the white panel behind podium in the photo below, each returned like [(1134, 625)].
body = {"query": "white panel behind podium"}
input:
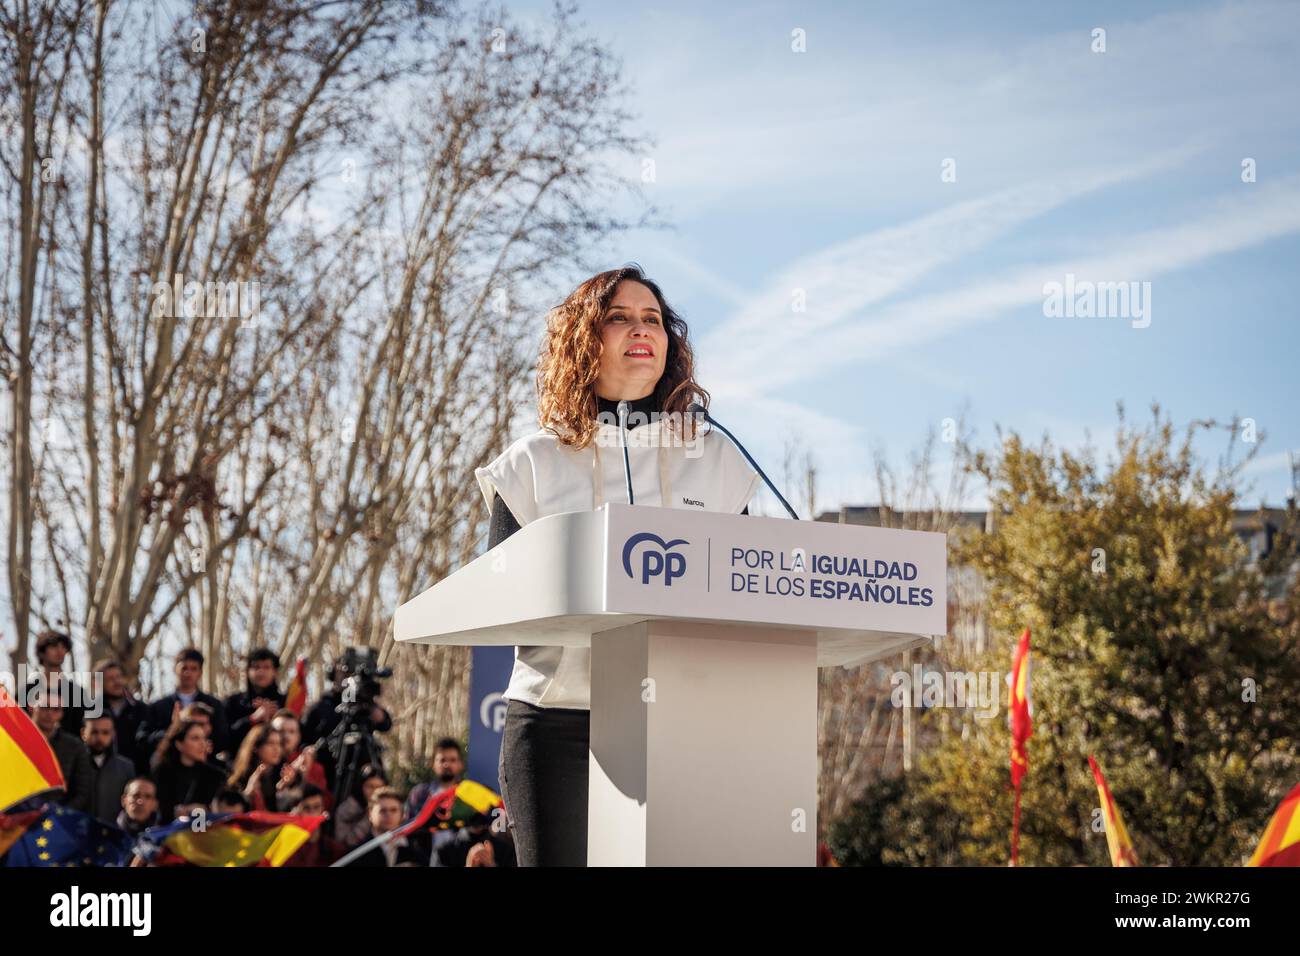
[(703, 746)]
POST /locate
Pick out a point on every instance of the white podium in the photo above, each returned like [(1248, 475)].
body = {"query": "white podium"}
[(706, 631)]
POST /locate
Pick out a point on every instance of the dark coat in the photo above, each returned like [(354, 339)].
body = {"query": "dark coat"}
[(130, 827), (240, 707), (107, 784), (323, 717), (178, 784), (453, 848), (421, 793), (74, 761), (158, 717), (126, 724), (414, 853)]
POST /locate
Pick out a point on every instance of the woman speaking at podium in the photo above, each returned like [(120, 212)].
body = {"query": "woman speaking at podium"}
[(613, 339)]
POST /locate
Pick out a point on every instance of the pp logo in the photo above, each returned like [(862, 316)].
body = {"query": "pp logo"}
[(492, 712), (663, 562)]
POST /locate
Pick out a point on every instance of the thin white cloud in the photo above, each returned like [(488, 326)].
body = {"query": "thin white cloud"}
[(1253, 214), (1257, 213), (844, 279)]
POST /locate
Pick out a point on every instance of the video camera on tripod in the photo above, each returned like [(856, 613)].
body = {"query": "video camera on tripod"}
[(351, 744), (357, 676)]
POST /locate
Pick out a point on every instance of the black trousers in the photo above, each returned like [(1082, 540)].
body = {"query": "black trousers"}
[(544, 759)]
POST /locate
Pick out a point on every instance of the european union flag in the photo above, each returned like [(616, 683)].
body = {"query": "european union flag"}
[(64, 837)]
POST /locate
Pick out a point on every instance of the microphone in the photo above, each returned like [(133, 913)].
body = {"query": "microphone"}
[(622, 441), (699, 409)]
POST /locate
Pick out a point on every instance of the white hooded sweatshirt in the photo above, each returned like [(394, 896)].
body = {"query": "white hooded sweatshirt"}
[(538, 476)]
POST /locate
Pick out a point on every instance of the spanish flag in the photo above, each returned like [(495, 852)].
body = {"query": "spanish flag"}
[(295, 698), (14, 825), (27, 764), (1280, 845), (452, 808), (1022, 726), (1117, 840), (230, 839), (458, 806)]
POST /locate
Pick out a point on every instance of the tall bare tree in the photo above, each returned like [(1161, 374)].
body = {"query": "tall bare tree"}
[(36, 69), (293, 287)]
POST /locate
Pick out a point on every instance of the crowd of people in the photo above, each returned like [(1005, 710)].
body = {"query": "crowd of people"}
[(138, 765)]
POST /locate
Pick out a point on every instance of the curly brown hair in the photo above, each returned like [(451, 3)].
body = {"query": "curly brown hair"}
[(570, 360)]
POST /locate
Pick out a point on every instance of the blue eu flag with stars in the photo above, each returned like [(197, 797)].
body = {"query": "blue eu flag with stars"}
[(64, 837)]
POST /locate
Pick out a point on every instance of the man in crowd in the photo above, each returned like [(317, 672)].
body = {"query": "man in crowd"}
[(230, 800), (71, 755), (161, 713), (52, 648), (385, 813), (448, 764), (320, 848), (475, 844), (109, 772), (257, 703), (139, 807), (126, 711)]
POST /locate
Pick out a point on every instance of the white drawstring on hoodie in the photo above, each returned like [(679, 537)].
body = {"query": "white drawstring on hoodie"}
[(597, 473)]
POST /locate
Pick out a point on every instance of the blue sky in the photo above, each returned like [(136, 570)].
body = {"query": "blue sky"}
[(821, 171)]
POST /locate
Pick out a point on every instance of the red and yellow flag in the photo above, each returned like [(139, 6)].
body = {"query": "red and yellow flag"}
[(237, 839), (1117, 839), (1022, 727), (14, 825), (295, 698), (27, 764), (1280, 844)]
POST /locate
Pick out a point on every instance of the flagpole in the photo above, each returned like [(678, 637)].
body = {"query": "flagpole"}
[(369, 845), (410, 826), (1015, 832), (440, 804)]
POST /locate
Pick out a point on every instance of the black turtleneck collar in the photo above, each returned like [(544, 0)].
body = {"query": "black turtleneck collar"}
[(607, 410)]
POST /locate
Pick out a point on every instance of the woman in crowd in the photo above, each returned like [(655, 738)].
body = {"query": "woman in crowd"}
[(182, 774), (259, 770), (302, 763)]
